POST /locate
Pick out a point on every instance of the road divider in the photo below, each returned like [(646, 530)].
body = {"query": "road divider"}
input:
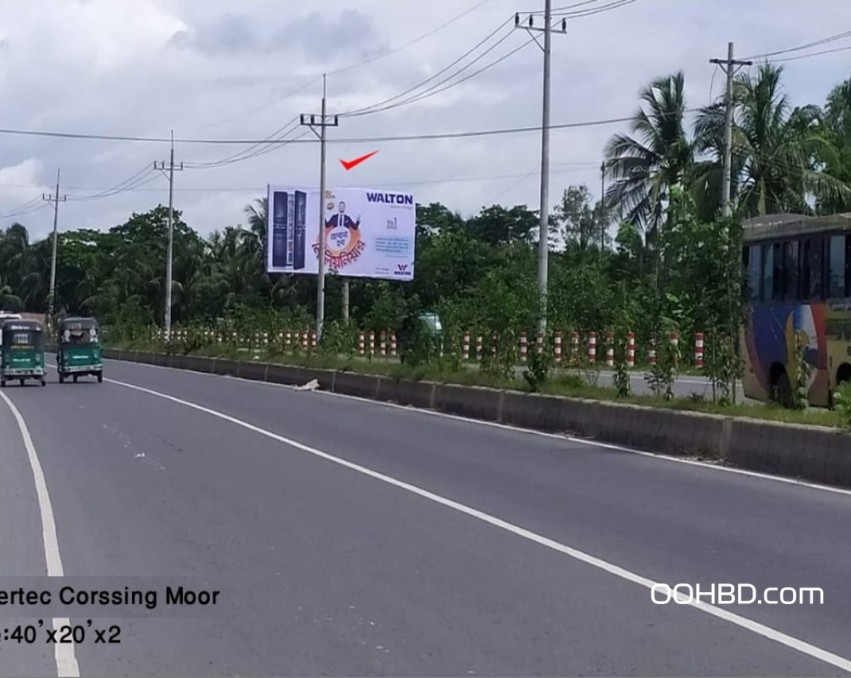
[(811, 453)]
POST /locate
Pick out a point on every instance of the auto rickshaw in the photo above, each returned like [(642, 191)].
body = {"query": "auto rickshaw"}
[(22, 352), (78, 349)]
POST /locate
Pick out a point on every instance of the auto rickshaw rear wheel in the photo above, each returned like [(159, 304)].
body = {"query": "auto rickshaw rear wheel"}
[(100, 377), (75, 378), (61, 378), (22, 381)]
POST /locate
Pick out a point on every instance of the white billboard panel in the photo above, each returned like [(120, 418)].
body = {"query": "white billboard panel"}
[(368, 233)]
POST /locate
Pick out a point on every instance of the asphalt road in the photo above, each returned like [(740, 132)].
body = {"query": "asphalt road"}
[(356, 538)]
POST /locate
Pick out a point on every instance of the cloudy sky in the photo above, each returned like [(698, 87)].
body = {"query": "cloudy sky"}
[(244, 69)]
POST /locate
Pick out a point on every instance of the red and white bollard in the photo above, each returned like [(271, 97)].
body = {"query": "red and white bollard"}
[(383, 343), (493, 345), (392, 344), (610, 349), (630, 350), (313, 339), (574, 347), (361, 343), (592, 347), (675, 343), (698, 350), (651, 354), (465, 347), (304, 340), (557, 348), (523, 347), (371, 343), (540, 344), (479, 344)]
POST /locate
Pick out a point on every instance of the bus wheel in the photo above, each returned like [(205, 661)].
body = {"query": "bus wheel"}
[(100, 377), (22, 381), (61, 378)]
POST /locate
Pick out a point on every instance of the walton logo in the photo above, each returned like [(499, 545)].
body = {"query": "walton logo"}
[(403, 269), (390, 198)]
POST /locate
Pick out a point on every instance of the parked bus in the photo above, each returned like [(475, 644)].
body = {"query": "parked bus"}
[(799, 282)]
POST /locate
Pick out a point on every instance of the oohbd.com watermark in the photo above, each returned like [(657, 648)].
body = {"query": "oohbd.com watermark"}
[(735, 594)]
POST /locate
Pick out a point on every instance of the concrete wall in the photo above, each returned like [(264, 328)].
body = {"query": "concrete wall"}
[(810, 453)]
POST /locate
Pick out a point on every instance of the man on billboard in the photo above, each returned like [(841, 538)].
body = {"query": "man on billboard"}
[(342, 220)]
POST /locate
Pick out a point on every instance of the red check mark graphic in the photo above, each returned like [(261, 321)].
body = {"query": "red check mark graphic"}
[(351, 164)]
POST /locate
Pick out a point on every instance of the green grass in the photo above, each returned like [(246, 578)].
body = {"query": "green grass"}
[(570, 385)]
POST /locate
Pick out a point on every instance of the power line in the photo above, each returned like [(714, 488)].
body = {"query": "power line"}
[(369, 109), (813, 54), (409, 43), (355, 140), (617, 4), (816, 43), (253, 150), (434, 92)]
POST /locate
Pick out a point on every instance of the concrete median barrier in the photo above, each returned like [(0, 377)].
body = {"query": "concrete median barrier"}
[(469, 401), (816, 454), (359, 385)]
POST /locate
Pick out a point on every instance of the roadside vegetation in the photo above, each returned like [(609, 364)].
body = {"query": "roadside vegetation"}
[(672, 267)]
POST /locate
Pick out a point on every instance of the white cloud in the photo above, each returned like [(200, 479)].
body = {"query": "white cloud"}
[(224, 68)]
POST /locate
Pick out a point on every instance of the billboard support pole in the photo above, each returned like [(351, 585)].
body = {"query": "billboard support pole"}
[(323, 124), (346, 299)]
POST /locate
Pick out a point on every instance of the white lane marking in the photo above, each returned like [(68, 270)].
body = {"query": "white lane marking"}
[(755, 627), (508, 427), (66, 660)]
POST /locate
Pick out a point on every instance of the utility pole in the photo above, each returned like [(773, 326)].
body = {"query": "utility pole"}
[(170, 253), (55, 199), (323, 123), (544, 240), (730, 67)]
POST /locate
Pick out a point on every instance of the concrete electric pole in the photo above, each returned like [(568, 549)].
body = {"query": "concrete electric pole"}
[(543, 245), (170, 253), (730, 67), (323, 123), (55, 199)]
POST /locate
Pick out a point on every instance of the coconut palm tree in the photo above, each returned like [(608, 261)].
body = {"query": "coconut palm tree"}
[(779, 151), (644, 167)]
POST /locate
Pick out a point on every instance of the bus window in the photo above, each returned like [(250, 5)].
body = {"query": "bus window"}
[(812, 269), (754, 264), (789, 271), (838, 285), (767, 272)]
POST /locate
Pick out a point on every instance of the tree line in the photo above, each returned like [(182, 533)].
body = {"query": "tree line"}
[(673, 262)]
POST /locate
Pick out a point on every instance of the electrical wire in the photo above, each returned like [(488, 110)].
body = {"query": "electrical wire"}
[(813, 54), (432, 91), (591, 11), (253, 150), (809, 45), (374, 107), (29, 206), (411, 42), (141, 178), (354, 140)]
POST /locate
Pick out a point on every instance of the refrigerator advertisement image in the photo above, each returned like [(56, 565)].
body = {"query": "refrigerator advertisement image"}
[(368, 233)]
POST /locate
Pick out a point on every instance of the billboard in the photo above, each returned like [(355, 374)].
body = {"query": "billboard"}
[(368, 233)]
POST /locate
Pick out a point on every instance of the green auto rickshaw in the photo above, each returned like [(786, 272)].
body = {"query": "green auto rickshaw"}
[(22, 352), (78, 349)]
